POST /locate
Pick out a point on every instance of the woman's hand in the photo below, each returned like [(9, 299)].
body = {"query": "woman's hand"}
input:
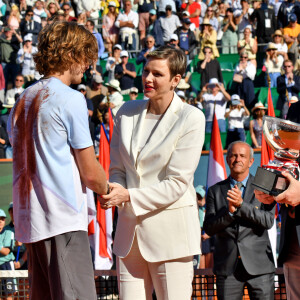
[(117, 196)]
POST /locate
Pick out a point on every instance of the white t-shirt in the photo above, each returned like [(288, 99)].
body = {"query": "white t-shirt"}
[(57, 198), (236, 118), (209, 102)]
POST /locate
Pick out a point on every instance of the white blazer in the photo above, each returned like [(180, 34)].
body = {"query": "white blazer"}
[(162, 211)]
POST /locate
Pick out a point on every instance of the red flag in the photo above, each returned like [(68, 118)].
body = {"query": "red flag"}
[(267, 154), (216, 164), (104, 159), (91, 228), (111, 124)]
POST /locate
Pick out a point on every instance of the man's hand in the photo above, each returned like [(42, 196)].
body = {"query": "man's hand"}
[(234, 197), (117, 196), (263, 197), (291, 196)]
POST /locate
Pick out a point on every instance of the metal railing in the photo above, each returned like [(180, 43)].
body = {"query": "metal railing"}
[(16, 285)]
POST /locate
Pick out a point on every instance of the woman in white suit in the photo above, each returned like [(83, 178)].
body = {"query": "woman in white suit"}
[(155, 149)]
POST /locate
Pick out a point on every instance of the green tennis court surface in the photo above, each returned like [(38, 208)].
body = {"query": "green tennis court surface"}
[(5, 184)]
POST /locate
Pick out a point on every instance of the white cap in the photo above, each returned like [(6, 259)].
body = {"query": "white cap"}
[(174, 37), (181, 94), (98, 78), (28, 37), (124, 53), (213, 81), (81, 87), (186, 13), (294, 99), (115, 84), (9, 102), (118, 46), (134, 90), (112, 3)]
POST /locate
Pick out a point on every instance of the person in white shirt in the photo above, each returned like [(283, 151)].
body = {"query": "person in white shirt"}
[(169, 23), (90, 8), (17, 90), (128, 23), (236, 114), (112, 61), (245, 87), (214, 99)]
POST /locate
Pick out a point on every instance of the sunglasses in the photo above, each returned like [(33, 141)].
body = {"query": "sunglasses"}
[(30, 15), (287, 67), (243, 56), (21, 80), (66, 9)]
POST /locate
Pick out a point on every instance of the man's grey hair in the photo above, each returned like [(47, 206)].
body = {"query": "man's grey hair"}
[(229, 149)]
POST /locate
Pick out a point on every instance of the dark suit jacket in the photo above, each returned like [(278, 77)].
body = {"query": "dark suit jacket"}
[(281, 89), (286, 221), (243, 234)]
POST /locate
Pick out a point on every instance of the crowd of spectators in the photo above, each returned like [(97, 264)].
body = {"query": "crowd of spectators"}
[(127, 30)]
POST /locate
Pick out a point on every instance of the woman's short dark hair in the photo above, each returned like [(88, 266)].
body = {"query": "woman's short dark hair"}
[(176, 59)]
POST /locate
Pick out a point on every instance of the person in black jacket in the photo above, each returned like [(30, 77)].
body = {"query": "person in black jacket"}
[(240, 223), (265, 22), (288, 85), (286, 9), (28, 25), (186, 38), (209, 67)]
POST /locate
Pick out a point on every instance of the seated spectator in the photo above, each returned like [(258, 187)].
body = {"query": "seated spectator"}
[(90, 8), (6, 256), (279, 43), (230, 37), (109, 30), (214, 99), (25, 59), (128, 22), (194, 9), (208, 38), (209, 67), (210, 16), (125, 73), (182, 85), (38, 9), (186, 15), (89, 103), (236, 114), (288, 85), (182, 96), (290, 34), (155, 28), (67, 9), (244, 75), (173, 41), (162, 7), (14, 18), (133, 94), (273, 64), (169, 23), (52, 8), (3, 141), (112, 61), (114, 96), (150, 46), (256, 129), (186, 38), (28, 25), (9, 46), (18, 88), (249, 45)]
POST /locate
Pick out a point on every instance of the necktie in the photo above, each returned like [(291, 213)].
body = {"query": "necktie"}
[(239, 185)]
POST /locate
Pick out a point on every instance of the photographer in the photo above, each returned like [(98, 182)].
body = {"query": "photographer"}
[(214, 98), (273, 63)]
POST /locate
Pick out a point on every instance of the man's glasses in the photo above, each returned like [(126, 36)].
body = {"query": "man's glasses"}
[(30, 15), (149, 42), (66, 9)]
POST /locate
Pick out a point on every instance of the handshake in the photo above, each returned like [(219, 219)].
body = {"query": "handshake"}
[(116, 195)]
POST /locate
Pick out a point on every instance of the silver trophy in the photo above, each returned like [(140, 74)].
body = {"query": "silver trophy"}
[(284, 138)]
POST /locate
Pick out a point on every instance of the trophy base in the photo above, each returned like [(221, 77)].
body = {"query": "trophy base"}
[(270, 182)]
